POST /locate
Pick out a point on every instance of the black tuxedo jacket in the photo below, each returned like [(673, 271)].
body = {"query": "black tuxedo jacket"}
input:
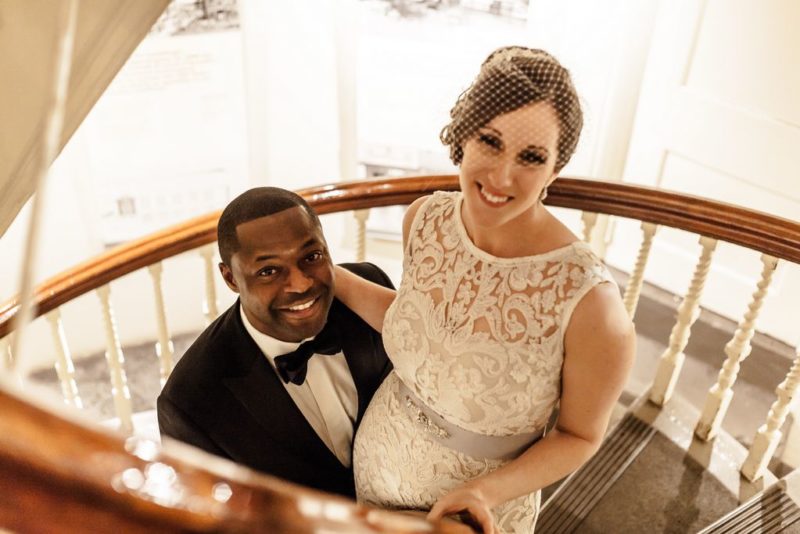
[(224, 397)]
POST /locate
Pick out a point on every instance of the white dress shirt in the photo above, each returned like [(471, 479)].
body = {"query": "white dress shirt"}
[(328, 398)]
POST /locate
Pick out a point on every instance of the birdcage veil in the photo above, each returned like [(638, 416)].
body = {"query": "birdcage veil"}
[(511, 78)]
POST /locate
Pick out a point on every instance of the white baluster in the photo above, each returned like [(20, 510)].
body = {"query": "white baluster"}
[(9, 372), (164, 347), (737, 349), (609, 228), (115, 359), (210, 305), (634, 287), (361, 233), (64, 365), (671, 361), (589, 220), (769, 434), (5, 354)]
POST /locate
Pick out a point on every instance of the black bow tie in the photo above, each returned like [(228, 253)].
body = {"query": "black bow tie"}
[(292, 366)]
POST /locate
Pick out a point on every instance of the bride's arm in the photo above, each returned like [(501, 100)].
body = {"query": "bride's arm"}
[(368, 299), (599, 351)]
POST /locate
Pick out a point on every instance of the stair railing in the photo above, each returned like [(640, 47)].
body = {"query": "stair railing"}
[(775, 238)]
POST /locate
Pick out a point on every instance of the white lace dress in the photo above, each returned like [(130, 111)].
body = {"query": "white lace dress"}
[(477, 338)]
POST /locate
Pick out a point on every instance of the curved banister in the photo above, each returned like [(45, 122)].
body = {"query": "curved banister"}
[(59, 476), (759, 231), (755, 230)]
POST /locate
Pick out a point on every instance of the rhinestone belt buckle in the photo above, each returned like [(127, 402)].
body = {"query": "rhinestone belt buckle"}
[(429, 426)]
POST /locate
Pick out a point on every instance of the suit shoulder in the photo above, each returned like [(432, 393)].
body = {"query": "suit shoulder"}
[(201, 364), (369, 271)]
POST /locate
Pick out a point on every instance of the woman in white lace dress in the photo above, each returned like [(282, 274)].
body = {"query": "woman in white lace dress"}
[(502, 315)]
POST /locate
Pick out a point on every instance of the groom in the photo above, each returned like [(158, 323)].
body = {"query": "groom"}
[(247, 389)]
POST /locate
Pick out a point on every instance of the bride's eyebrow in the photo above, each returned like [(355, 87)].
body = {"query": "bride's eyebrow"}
[(493, 130), (538, 147)]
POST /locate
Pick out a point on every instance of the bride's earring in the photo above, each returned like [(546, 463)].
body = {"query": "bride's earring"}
[(543, 194)]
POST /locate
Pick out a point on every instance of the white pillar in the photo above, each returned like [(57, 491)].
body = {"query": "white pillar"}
[(116, 360), (361, 233), (791, 450), (292, 83), (210, 305), (737, 349), (671, 361), (769, 434), (65, 369), (345, 19), (588, 219), (5, 355), (634, 287), (164, 348)]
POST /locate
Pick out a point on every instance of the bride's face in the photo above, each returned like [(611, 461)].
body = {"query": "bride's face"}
[(507, 163)]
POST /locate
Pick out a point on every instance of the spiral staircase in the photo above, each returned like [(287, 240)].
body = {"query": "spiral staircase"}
[(670, 462)]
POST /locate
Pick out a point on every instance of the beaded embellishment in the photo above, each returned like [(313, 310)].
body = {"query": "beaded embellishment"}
[(422, 419)]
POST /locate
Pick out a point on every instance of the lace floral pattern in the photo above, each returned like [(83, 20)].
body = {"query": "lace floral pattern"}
[(479, 339)]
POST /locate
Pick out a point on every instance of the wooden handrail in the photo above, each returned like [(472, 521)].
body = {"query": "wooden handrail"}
[(60, 476), (752, 229)]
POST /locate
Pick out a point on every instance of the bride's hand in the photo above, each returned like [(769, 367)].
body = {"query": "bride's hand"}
[(466, 498)]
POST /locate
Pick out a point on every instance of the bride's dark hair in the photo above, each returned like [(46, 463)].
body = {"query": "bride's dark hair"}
[(510, 78)]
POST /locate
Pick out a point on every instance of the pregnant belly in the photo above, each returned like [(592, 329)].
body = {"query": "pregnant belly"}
[(398, 464)]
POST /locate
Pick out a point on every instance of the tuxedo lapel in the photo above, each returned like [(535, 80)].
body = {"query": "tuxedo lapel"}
[(357, 346), (260, 391), (264, 397)]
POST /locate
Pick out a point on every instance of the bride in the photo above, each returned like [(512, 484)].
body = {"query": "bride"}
[(502, 315)]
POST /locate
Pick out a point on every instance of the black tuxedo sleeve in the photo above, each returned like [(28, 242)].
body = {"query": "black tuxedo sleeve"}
[(370, 337), (175, 423), (371, 272)]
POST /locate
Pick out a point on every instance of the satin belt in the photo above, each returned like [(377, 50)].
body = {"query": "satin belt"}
[(465, 441)]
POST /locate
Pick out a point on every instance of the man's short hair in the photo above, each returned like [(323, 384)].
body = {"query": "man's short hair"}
[(254, 204)]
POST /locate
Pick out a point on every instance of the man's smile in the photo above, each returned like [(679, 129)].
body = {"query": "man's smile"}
[(303, 309)]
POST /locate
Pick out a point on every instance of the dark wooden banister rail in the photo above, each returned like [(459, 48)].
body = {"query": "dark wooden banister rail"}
[(752, 229), (58, 476)]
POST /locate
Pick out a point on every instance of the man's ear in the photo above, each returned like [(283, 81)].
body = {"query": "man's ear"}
[(227, 275)]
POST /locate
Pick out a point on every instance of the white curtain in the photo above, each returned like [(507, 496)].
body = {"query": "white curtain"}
[(107, 33)]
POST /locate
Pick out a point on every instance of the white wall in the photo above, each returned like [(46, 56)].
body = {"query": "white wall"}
[(291, 86), (170, 134), (718, 117), (282, 95)]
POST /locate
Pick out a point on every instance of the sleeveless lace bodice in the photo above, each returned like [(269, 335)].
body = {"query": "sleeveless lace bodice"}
[(477, 338)]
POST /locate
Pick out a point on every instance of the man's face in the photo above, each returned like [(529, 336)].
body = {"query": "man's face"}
[(283, 274)]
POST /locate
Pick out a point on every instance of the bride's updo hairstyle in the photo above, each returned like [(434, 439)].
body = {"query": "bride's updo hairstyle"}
[(513, 77)]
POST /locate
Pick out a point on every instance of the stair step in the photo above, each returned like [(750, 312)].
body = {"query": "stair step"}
[(773, 511), (577, 496)]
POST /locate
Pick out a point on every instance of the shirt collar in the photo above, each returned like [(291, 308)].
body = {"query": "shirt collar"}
[(270, 346)]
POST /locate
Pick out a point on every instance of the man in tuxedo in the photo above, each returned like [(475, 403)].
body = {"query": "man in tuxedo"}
[(255, 387)]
